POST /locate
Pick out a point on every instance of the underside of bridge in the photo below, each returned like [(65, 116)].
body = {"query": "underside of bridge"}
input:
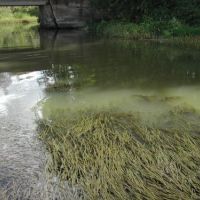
[(23, 2), (57, 13)]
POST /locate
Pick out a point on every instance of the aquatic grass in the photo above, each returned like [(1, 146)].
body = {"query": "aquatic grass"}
[(112, 156), (58, 86), (182, 118), (60, 78), (61, 86)]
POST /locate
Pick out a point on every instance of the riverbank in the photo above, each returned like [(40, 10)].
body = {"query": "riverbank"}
[(13, 15), (170, 32)]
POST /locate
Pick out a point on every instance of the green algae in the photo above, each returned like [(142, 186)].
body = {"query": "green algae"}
[(112, 156)]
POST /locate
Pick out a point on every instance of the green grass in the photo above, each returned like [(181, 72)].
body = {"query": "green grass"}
[(112, 156), (146, 29), (172, 31), (121, 30), (9, 15)]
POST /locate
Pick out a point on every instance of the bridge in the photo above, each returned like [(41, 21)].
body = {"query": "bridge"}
[(57, 14), (23, 2)]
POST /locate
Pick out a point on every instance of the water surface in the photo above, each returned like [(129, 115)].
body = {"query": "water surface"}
[(149, 78)]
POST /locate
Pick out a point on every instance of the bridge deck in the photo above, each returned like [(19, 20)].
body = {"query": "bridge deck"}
[(23, 2)]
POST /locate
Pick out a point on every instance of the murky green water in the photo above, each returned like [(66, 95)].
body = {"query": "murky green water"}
[(149, 78)]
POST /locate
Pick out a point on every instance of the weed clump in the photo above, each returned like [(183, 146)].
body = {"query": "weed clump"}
[(112, 156), (60, 86)]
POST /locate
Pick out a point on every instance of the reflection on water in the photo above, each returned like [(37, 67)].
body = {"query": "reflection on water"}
[(144, 77), (21, 36)]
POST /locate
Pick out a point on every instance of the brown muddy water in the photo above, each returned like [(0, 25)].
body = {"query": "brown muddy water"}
[(149, 78)]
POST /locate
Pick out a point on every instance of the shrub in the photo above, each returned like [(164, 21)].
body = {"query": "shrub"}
[(187, 11)]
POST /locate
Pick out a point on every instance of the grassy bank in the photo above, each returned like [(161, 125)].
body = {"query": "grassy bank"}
[(11, 15), (111, 155), (172, 31)]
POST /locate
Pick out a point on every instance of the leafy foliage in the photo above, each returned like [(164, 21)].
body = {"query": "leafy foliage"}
[(185, 10), (146, 29)]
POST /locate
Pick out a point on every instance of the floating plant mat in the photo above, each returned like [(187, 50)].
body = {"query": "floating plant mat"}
[(112, 156)]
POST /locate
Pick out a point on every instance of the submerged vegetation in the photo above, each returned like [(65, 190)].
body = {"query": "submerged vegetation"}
[(60, 78), (60, 86), (111, 155)]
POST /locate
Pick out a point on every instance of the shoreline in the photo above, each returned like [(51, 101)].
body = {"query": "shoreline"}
[(183, 36)]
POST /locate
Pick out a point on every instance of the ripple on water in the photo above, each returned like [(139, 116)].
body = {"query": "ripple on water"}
[(21, 154)]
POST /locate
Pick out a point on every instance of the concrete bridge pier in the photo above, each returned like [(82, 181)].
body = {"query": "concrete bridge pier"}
[(65, 14)]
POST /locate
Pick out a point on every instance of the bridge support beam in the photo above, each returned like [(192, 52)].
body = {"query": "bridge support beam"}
[(73, 14), (46, 17)]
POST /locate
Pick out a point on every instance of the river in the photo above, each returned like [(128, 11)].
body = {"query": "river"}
[(147, 77)]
